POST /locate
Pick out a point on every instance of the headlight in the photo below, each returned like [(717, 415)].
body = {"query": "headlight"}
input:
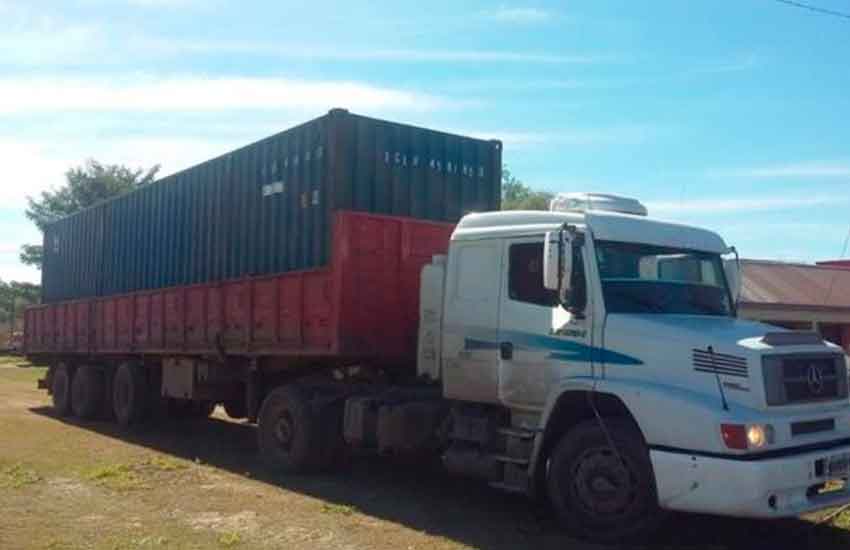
[(750, 436), (756, 436)]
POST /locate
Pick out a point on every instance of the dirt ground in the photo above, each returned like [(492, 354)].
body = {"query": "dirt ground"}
[(68, 484)]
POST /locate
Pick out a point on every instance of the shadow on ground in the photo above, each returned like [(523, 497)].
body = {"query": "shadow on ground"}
[(427, 500)]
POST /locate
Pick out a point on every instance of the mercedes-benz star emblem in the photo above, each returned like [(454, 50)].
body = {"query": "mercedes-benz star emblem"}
[(815, 378)]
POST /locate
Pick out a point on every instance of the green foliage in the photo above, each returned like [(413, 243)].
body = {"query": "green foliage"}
[(85, 186), (32, 254), (14, 297), (518, 196)]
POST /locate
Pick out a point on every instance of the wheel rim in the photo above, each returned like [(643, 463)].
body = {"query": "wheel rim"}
[(284, 431), (605, 487)]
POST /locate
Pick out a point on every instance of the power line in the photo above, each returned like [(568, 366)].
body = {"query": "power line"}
[(815, 9)]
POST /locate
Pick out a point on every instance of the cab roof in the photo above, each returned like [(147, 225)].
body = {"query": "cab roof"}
[(604, 225)]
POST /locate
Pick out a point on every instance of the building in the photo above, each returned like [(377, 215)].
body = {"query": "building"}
[(798, 296)]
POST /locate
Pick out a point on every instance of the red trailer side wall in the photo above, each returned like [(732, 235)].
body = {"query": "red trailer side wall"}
[(363, 305)]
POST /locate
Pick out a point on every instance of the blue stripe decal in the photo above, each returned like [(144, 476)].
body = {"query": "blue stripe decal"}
[(561, 350)]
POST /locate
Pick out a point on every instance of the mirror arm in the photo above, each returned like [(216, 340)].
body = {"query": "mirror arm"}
[(738, 275)]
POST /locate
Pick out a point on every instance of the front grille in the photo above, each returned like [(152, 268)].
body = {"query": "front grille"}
[(794, 379)]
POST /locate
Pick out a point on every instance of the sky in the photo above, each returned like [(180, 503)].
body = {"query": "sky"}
[(732, 115)]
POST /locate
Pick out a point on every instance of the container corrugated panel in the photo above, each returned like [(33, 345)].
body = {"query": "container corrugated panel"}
[(363, 305), (268, 207)]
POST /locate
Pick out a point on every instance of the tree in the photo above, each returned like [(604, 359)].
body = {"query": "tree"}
[(14, 297), (518, 196), (85, 186)]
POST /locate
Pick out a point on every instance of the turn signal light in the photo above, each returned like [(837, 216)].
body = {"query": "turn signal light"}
[(734, 436)]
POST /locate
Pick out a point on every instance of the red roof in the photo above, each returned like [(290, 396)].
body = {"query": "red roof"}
[(795, 285), (836, 263)]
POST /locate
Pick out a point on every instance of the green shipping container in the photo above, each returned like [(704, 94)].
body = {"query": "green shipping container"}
[(266, 208)]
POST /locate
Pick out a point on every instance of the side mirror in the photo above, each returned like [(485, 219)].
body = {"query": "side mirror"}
[(732, 267), (557, 262)]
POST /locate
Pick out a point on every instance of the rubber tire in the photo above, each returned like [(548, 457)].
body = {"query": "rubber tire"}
[(61, 389), (129, 394), (88, 389), (305, 453), (631, 447)]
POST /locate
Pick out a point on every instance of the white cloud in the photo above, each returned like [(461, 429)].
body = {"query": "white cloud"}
[(319, 52), (13, 271), (611, 135), (162, 3), (32, 38), (35, 39), (25, 95), (32, 167), (738, 205), (519, 15), (740, 63), (798, 170)]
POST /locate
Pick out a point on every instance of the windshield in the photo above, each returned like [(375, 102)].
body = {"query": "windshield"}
[(640, 278)]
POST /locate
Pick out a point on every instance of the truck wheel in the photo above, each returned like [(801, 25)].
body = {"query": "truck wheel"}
[(87, 392), (61, 389), (289, 434), (129, 394), (598, 495)]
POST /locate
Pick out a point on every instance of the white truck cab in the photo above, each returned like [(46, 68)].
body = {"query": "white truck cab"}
[(609, 342)]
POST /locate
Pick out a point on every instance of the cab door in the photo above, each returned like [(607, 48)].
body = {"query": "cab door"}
[(540, 341), (471, 321)]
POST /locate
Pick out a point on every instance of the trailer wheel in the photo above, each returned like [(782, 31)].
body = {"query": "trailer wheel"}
[(290, 436), (87, 392), (600, 494), (61, 389), (129, 394)]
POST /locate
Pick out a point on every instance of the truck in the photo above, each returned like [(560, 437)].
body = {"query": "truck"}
[(589, 356)]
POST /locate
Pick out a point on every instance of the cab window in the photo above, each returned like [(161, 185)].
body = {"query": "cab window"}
[(525, 275)]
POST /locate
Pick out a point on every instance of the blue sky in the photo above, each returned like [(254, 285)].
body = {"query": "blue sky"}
[(727, 114)]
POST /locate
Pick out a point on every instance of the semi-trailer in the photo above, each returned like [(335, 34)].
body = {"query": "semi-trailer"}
[(589, 355)]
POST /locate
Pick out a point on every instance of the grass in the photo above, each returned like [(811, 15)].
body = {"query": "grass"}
[(340, 509), (165, 464), (17, 476), (118, 477), (197, 485), (229, 539)]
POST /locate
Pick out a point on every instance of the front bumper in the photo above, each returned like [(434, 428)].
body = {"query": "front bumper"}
[(767, 488)]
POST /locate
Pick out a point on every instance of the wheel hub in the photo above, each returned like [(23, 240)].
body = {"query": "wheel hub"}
[(603, 484), (284, 432)]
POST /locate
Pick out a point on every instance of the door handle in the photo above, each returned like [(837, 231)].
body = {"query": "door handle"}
[(506, 350)]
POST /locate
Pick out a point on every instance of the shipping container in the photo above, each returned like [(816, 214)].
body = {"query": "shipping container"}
[(268, 207), (363, 305)]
